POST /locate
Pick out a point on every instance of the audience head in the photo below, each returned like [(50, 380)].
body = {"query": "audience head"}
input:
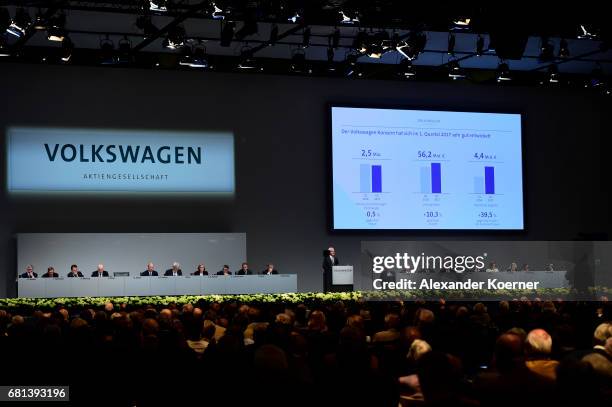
[(602, 333), (317, 321), (109, 306), (538, 343), (508, 352), (418, 348), (392, 321)]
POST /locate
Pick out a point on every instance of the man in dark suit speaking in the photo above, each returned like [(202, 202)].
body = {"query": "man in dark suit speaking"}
[(29, 272), (329, 260), (100, 272), (150, 271), (174, 271)]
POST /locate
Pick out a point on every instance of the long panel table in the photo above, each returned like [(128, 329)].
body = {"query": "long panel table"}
[(132, 286)]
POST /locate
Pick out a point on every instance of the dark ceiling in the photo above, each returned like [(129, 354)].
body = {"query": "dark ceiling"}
[(550, 43)]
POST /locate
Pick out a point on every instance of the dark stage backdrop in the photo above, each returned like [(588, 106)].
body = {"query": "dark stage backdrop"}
[(280, 127)]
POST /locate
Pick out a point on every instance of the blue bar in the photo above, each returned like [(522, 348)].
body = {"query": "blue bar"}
[(436, 178), (364, 178), (489, 180), (376, 178), (425, 180)]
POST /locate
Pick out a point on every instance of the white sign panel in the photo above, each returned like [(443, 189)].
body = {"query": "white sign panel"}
[(58, 160)]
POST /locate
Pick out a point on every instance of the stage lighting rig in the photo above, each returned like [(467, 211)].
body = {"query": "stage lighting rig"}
[(20, 23), (413, 45)]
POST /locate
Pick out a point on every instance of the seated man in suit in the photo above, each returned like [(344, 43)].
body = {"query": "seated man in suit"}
[(200, 271), (174, 271), (225, 272), (150, 271), (50, 273), (29, 272), (74, 271), (100, 272), (244, 270), (269, 270)]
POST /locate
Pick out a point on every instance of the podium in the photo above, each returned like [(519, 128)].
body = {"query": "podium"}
[(342, 278)]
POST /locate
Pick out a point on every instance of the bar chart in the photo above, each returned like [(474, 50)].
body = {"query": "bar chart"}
[(485, 184), (370, 178), (431, 179)]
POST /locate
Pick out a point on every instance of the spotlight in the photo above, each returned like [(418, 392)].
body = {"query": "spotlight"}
[(331, 65), (563, 49), (55, 28), (347, 19), (451, 44), (413, 45), (158, 5), (596, 81), (547, 50), (455, 71), (587, 31), (552, 76), (460, 24), (199, 58), (125, 51), (39, 21), (56, 34), (360, 42), (247, 61), (273, 35), (352, 68), (217, 13), (406, 69), (299, 64), (480, 44), (175, 38), (107, 50), (144, 23), (67, 48), (20, 23), (227, 33), (295, 18), (306, 37), (503, 72)]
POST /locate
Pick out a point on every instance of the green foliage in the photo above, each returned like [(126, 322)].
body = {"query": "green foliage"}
[(294, 298)]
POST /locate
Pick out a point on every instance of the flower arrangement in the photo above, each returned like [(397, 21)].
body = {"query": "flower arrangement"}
[(295, 298)]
